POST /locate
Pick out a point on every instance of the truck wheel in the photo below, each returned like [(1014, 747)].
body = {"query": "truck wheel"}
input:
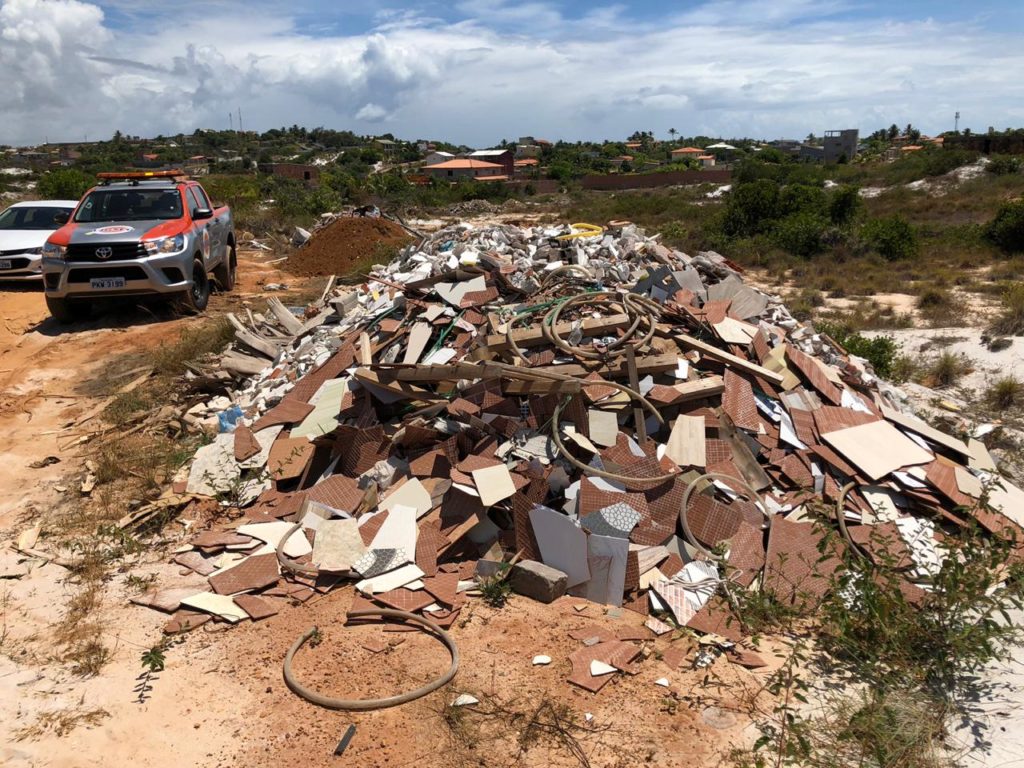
[(198, 296), (225, 271), (65, 311)]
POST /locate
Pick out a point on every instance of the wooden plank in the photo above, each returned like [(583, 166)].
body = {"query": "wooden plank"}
[(365, 349), (261, 345), (742, 457), (698, 389), (238, 325), (634, 384), (316, 321), (686, 444), (401, 390), (532, 337), (541, 387), (729, 359), (327, 289), (291, 323), (247, 365), (617, 370)]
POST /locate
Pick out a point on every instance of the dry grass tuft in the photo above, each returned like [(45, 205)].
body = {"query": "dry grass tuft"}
[(61, 722), (1005, 393)]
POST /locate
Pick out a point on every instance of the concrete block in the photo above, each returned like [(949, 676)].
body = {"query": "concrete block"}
[(538, 581)]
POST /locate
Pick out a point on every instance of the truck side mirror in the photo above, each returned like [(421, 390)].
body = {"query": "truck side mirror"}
[(202, 213), (61, 218)]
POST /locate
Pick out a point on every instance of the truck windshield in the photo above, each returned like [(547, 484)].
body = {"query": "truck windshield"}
[(31, 217), (129, 205)]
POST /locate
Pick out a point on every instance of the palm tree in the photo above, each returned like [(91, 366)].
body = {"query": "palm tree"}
[(673, 133)]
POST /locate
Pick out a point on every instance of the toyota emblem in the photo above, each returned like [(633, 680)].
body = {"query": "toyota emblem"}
[(104, 252)]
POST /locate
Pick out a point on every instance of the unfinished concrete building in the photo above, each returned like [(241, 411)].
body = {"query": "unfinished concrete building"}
[(841, 144)]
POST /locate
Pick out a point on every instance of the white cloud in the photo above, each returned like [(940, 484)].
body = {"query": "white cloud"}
[(371, 113), (729, 67)]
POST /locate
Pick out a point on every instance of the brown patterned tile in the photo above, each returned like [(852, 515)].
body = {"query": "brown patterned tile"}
[(289, 411), (738, 401), (795, 571), (830, 418), (258, 607), (403, 599), (813, 373), (246, 445), (337, 491), (255, 572), (717, 618)]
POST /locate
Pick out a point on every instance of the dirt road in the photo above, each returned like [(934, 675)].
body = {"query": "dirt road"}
[(45, 374)]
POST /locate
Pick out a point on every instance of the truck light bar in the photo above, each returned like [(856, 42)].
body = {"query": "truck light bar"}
[(137, 176)]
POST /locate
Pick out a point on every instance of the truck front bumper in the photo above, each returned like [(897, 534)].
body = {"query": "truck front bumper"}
[(146, 276)]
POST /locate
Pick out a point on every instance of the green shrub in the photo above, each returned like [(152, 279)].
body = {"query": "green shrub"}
[(844, 204), (1003, 165), (674, 233), (1006, 230), (892, 237), (65, 184), (751, 208), (800, 233), (801, 198), (880, 351)]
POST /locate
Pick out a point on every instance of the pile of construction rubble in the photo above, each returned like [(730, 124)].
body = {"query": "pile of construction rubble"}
[(617, 420)]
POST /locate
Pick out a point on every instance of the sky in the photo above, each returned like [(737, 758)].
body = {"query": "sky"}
[(477, 71)]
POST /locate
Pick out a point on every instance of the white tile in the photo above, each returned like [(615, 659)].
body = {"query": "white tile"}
[(493, 484), (272, 533), (337, 545), (563, 545)]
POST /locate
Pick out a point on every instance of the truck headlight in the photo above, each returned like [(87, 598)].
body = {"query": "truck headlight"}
[(54, 251), (165, 245)]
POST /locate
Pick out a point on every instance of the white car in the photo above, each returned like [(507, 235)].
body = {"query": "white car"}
[(24, 229)]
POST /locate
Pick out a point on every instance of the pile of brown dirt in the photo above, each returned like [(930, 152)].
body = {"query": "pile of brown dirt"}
[(347, 245)]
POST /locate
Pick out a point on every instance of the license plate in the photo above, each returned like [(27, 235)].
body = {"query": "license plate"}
[(5, 264), (105, 283)]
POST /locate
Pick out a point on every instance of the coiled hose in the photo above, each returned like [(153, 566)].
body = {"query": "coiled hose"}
[(863, 554), (329, 702), (640, 310), (684, 523), (586, 468)]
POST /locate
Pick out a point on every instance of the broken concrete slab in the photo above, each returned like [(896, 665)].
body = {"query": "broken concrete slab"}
[(538, 581)]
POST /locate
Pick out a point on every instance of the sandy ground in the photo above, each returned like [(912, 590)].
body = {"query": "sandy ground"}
[(986, 366), (44, 368)]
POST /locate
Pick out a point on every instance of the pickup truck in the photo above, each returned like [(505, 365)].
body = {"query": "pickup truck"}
[(152, 233)]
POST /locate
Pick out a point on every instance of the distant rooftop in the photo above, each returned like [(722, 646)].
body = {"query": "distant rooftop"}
[(464, 163)]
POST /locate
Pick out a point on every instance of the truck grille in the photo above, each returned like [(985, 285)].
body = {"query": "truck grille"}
[(119, 251), (85, 274)]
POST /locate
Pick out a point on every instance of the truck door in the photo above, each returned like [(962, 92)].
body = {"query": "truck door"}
[(218, 225), (206, 229)]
